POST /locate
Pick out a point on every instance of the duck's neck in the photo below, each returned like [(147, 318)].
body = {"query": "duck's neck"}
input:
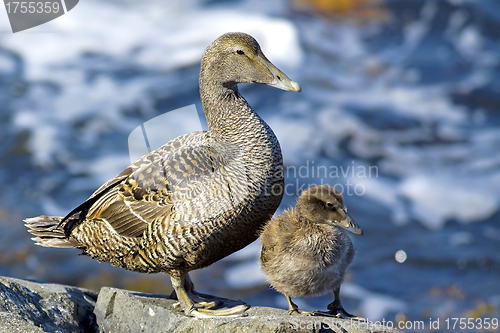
[(229, 117)]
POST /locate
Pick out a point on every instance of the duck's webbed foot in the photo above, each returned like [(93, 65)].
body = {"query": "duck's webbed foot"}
[(201, 305), (199, 300)]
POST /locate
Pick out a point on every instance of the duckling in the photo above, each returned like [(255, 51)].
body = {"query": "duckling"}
[(196, 199), (306, 252)]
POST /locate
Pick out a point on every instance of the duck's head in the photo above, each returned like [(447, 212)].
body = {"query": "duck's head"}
[(324, 204), (236, 57)]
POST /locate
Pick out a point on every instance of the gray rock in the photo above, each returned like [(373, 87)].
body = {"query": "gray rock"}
[(124, 311), (29, 307)]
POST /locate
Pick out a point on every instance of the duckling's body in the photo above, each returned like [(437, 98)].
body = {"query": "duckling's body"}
[(306, 251), (198, 198), (316, 256)]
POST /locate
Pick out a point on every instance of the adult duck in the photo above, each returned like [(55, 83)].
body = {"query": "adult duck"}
[(196, 199)]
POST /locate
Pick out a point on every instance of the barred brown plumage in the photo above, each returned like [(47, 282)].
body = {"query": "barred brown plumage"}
[(196, 199)]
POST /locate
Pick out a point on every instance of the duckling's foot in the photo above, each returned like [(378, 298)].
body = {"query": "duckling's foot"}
[(335, 309), (337, 313), (340, 313), (294, 310)]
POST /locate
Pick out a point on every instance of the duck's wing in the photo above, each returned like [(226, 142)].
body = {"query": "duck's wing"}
[(142, 193), (81, 211)]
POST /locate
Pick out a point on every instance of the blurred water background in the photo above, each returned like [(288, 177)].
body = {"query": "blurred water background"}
[(401, 97)]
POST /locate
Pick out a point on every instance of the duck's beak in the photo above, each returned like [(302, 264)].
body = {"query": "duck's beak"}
[(280, 81), (350, 225)]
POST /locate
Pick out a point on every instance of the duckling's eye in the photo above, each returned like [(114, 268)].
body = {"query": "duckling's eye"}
[(329, 205), (240, 52)]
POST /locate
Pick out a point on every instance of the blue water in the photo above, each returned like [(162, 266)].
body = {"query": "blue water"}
[(414, 95)]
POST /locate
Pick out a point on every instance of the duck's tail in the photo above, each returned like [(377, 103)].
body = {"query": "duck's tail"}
[(49, 232)]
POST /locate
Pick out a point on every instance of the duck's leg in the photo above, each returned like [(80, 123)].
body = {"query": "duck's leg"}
[(190, 309), (294, 310), (201, 300)]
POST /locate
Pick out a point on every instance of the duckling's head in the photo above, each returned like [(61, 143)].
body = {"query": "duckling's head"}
[(236, 57), (325, 205)]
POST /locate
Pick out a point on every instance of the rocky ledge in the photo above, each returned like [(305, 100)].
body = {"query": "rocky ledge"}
[(27, 307)]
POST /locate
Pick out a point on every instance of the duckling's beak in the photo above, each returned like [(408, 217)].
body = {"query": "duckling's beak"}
[(350, 225), (280, 81)]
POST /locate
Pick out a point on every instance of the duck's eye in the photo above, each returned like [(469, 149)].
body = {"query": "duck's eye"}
[(240, 52), (329, 205)]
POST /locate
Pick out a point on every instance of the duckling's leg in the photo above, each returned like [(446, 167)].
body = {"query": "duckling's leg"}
[(294, 310), (191, 310), (336, 309)]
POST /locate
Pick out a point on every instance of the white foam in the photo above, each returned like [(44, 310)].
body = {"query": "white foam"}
[(162, 129), (7, 64), (245, 275), (460, 238), (51, 208), (250, 252), (162, 38), (248, 273), (108, 166), (456, 22), (469, 42), (4, 22), (100, 169), (145, 26), (132, 40), (436, 200), (296, 138), (414, 32), (384, 191), (373, 306), (492, 233)]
